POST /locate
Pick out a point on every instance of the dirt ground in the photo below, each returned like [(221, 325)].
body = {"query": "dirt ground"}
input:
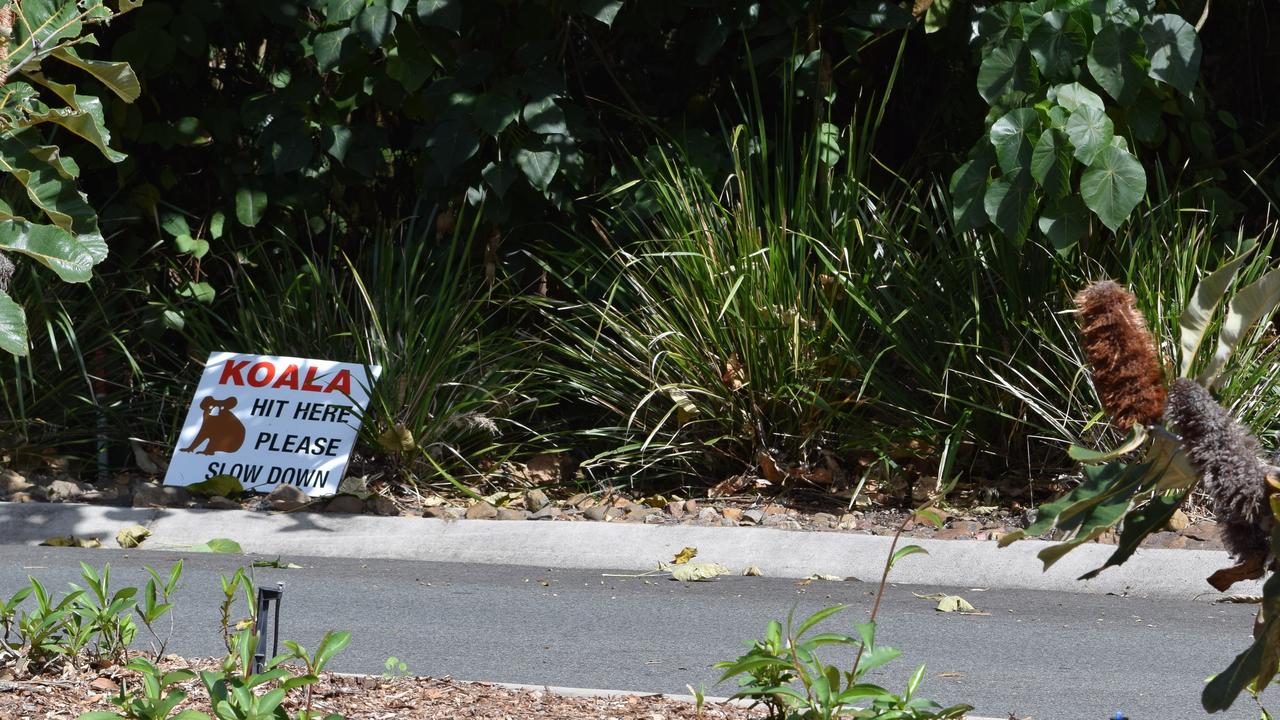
[(362, 698)]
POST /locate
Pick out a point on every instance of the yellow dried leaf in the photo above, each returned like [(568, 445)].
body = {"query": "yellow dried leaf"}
[(820, 576), (753, 571), (955, 603), (397, 439), (684, 556), (132, 536)]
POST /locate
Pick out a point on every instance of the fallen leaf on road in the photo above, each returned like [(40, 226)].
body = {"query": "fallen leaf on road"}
[(694, 572), (955, 603), (277, 563), (753, 571), (72, 541), (132, 536), (820, 576), (218, 545)]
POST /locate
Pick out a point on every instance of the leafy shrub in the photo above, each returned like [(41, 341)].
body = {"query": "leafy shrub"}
[(43, 214), (1059, 149)]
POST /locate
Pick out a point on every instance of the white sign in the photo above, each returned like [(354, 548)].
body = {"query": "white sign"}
[(271, 421)]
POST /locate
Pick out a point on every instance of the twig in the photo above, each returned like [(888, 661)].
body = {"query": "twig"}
[(1204, 15)]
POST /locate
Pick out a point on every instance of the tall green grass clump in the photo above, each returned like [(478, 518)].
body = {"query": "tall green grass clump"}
[(792, 323), (453, 376)]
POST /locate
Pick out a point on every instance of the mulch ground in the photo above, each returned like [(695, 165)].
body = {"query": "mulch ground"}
[(361, 698)]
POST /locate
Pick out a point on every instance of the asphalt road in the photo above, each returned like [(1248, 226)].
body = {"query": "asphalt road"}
[(1035, 654)]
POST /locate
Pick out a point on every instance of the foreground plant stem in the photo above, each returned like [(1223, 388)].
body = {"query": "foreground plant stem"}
[(884, 576)]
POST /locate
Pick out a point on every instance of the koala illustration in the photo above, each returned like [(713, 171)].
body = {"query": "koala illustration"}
[(220, 428)]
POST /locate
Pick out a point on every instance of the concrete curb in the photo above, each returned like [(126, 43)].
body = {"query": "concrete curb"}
[(627, 547)]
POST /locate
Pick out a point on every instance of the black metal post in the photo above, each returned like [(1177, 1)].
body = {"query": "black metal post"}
[(268, 600)]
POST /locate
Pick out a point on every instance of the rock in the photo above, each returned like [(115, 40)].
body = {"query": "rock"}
[(654, 519), (774, 509), (732, 513), (709, 516), (824, 519), (348, 504), (544, 468), (287, 497), (11, 482), (691, 506), (382, 505), (217, 502), (36, 495), (549, 512), (1179, 521), (67, 490), (727, 522), (535, 500), (1204, 532), (438, 512), (953, 533), (482, 511), (637, 513), (576, 500), (754, 515), (773, 520), (615, 513), (512, 514), (150, 495), (675, 509), (597, 513)]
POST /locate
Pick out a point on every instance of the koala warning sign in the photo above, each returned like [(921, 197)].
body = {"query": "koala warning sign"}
[(271, 421)]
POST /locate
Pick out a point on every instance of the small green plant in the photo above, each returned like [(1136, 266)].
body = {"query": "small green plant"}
[(157, 602), (331, 644), (157, 700), (784, 673), (104, 613), (394, 667), (233, 587), (42, 630)]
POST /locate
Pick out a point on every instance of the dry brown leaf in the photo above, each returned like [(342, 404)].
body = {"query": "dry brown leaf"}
[(731, 485)]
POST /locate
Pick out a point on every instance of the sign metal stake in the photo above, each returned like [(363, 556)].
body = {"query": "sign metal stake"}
[(268, 601)]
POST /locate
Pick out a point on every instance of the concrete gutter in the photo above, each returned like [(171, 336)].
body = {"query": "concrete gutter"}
[(628, 547)]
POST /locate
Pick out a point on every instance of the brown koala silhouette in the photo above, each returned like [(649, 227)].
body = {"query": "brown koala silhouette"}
[(220, 427)]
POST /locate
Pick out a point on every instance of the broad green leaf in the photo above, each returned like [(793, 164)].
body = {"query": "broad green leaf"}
[(338, 12), (86, 122), (1073, 96), (1010, 203), (327, 48), (1058, 44), (1013, 136), (51, 246), (1051, 164), (1173, 47), (969, 188), (1249, 305), (1226, 686), (1090, 131), (250, 205), (47, 187), (1137, 436), (373, 25), (495, 110), (1100, 483), (1138, 524), (937, 16), (117, 76), (1064, 223), (881, 15), (539, 166), (544, 117), (1113, 185), (1005, 69), (218, 545), (1052, 554), (1000, 23), (196, 247), (1166, 458), (216, 223), (830, 150), (451, 144), (903, 552), (175, 224), (1114, 61), (13, 326), (816, 618), (603, 10), (1194, 322), (445, 14), (499, 177), (228, 486), (199, 291)]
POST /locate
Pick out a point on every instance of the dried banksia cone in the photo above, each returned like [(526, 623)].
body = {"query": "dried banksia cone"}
[(1121, 354), (1231, 470)]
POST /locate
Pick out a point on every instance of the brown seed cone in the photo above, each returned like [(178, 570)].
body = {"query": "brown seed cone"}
[(1121, 354)]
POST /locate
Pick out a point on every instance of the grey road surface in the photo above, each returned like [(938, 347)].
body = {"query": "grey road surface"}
[(1034, 654)]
